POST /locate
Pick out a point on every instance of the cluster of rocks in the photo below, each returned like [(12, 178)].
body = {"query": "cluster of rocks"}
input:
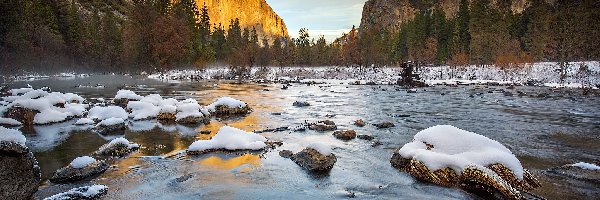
[(325, 125)]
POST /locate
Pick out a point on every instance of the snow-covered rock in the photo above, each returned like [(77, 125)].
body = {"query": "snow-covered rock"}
[(117, 147), (102, 113), (12, 135), (447, 146), (9, 122), (141, 110), (190, 112), (228, 106), (229, 138), (80, 168), (127, 94), (18, 167), (41, 107), (449, 156), (81, 162), (322, 148), (111, 126), (84, 121), (86, 192)]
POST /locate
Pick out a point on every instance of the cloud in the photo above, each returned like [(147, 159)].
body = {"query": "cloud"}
[(321, 17)]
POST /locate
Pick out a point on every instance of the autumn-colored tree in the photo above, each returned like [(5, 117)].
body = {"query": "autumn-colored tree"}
[(169, 41)]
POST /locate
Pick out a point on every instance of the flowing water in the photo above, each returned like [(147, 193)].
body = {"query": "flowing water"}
[(546, 132)]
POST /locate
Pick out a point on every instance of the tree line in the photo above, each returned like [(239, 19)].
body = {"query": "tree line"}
[(142, 35), (483, 33)]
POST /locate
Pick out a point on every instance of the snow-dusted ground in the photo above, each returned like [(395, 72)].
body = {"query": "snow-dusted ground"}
[(543, 73)]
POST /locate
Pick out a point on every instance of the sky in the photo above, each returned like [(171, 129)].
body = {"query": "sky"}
[(329, 18)]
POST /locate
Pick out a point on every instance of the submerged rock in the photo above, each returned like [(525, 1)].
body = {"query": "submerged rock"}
[(301, 104), (286, 153), (345, 134), (384, 125), (322, 127), (86, 192), (71, 174), (311, 160), (19, 171), (365, 137), (576, 173), (360, 123)]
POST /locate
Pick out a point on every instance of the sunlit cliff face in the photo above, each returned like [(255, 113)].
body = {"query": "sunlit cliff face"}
[(251, 13)]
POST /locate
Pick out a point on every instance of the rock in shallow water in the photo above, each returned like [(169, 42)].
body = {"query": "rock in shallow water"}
[(19, 171), (311, 160), (86, 192), (71, 174), (286, 153), (325, 125), (345, 134), (301, 104), (359, 123), (384, 125)]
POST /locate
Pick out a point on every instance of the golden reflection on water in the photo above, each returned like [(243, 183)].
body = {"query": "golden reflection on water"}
[(229, 164)]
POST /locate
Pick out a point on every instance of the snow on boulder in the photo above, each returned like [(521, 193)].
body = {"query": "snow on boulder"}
[(81, 162), (447, 146), (50, 116), (86, 192), (449, 156), (16, 92), (102, 113), (228, 106), (111, 126), (190, 112), (127, 94), (9, 122), (141, 110), (12, 135), (229, 138), (588, 166), (117, 147), (322, 148), (84, 121)]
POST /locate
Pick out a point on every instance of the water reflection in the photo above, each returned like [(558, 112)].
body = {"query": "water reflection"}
[(243, 163)]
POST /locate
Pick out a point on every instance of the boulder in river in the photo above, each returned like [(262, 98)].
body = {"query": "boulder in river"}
[(118, 147), (345, 134), (365, 137), (359, 123), (322, 127), (194, 120), (71, 173), (314, 161), (20, 174), (286, 153), (23, 115), (485, 168), (384, 125), (301, 103), (111, 126)]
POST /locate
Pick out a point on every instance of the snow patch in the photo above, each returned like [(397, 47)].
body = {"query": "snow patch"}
[(82, 162), (587, 166), (84, 121), (226, 101), (12, 135), (87, 192), (10, 122), (102, 113), (127, 94), (230, 138), (322, 148), (111, 121)]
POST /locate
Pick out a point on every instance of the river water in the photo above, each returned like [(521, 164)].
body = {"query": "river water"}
[(544, 132)]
